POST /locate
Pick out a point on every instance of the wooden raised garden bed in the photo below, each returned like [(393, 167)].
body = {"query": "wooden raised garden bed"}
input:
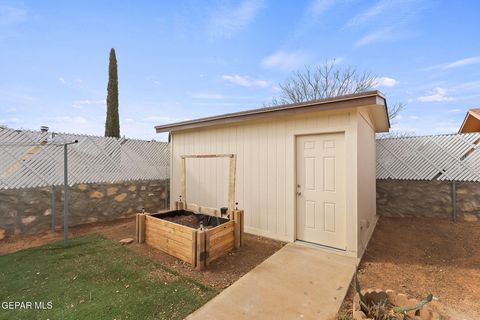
[(176, 233), (197, 235)]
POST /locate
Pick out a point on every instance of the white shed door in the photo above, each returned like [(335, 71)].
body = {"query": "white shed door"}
[(321, 197)]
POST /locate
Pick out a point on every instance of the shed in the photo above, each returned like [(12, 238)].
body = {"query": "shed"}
[(305, 172), (471, 123)]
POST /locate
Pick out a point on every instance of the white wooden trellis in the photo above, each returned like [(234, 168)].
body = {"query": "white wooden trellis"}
[(454, 157), (35, 159)]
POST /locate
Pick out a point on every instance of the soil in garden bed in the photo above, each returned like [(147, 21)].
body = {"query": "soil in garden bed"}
[(190, 219)]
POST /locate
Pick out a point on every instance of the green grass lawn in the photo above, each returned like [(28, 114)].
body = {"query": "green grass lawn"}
[(95, 278)]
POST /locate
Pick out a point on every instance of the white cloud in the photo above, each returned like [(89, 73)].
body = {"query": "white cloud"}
[(11, 110), (78, 80), (386, 82), (87, 102), (10, 121), (463, 62), (245, 81), (386, 20), (413, 117), (318, 7), (227, 21), (285, 60), (473, 86), (75, 124), (437, 95), (62, 80), (162, 119), (456, 111), (375, 36), (371, 13), (207, 95), (10, 14)]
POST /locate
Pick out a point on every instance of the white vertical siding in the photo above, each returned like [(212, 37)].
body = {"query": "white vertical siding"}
[(265, 185), (366, 179)]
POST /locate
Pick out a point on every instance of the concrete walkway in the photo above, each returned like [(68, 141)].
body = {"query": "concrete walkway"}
[(297, 282)]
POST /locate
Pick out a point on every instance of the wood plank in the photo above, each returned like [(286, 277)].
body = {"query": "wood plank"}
[(227, 231), (162, 227), (210, 211), (183, 180), (173, 253), (137, 239), (221, 236), (229, 224), (195, 208), (231, 182), (169, 236), (194, 248), (164, 242), (191, 207), (236, 230), (179, 205), (201, 253), (142, 224), (207, 249), (242, 226), (220, 251), (167, 232), (161, 212), (227, 238), (169, 224), (171, 247), (223, 155)]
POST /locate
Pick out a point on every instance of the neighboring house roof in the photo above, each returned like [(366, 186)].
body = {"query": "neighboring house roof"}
[(373, 100), (471, 123)]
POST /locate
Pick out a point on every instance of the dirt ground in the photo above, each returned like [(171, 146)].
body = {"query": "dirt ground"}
[(422, 256), (414, 256), (220, 273)]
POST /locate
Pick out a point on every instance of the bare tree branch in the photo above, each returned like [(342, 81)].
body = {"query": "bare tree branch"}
[(326, 81), (395, 109)]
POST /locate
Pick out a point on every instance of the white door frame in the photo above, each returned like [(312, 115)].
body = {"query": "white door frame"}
[(308, 132)]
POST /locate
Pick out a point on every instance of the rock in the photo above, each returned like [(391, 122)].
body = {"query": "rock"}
[(29, 219), (82, 187), (126, 241), (470, 217), (2, 234), (96, 195), (111, 191), (397, 299), (132, 188), (120, 197)]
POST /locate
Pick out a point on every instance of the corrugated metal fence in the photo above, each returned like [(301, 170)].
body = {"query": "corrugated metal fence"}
[(34, 159), (454, 157)]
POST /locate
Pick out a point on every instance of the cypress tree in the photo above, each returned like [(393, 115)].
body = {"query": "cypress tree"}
[(112, 124)]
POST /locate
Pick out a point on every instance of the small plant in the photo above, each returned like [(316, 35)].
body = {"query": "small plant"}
[(383, 309)]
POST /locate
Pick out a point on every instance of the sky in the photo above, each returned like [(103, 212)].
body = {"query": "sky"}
[(180, 60)]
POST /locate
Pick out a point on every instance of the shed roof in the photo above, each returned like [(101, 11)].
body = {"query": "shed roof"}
[(471, 123), (373, 100)]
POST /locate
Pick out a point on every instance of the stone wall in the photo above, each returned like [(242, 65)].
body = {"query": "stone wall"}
[(28, 211), (428, 199)]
